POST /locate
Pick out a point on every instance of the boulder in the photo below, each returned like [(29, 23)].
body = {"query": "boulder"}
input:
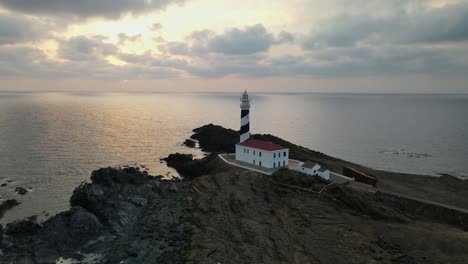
[(27, 226), (189, 167), (70, 229), (83, 224), (214, 138), (21, 190), (190, 143)]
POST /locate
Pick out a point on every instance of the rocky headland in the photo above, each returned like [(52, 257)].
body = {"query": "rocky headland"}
[(218, 213)]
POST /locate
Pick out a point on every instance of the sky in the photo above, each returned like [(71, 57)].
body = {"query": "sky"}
[(378, 46)]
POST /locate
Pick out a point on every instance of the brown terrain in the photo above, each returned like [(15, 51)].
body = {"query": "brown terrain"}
[(244, 217)]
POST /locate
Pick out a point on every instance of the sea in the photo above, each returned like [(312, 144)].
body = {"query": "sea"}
[(51, 142)]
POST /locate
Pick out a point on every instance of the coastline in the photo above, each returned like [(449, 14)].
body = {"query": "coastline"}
[(220, 213)]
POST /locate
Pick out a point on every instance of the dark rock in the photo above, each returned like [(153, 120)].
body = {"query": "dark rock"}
[(189, 143), (173, 188), (7, 205), (71, 228), (21, 190), (189, 167), (388, 246), (46, 255), (3, 185), (83, 224), (109, 176), (217, 139), (404, 259), (23, 227), (115, 196), (173, 160)]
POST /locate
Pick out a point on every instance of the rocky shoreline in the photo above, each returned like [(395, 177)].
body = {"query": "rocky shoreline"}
[(122, 215), (222, 214)]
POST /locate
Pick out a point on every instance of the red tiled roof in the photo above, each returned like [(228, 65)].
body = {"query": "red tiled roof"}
[(309, 164), (263, 145)]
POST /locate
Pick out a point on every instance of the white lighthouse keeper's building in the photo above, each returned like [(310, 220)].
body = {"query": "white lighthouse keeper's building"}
[(258, 152), (262, 153)]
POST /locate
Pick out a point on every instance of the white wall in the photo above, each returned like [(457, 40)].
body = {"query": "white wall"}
[(268, 159), (324, 174), (310, 171)]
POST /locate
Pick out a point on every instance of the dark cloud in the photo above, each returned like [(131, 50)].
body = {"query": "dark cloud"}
[(81, 48), (246, 41), (249, 40), (156, 27), (86, 8), (339, 62), (447, 24), (16, 29), (123, 38)]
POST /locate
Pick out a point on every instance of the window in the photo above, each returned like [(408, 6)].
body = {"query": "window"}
[(279, 164), (284, 154), (244, 150), (260, 163), (259, 154), (247, 151), (274, 165), (274, 155), (254, 162), (254, 152), (284, 163)]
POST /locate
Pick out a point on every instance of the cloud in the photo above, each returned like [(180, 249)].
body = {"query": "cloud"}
[(86, 8), (249, 40), (31, 63), (435, 25), (285, 37), (17, 29), (85, 59), (448, 24), (123, 38), (245, 41), (175, 47), (346, 47), (156, 26), (19, 61), (81, 48)]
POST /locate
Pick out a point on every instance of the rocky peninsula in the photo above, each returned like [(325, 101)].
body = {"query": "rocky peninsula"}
[(218, 213)]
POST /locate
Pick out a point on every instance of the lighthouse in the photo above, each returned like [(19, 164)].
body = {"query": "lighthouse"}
[(262, 154), (245, 121)]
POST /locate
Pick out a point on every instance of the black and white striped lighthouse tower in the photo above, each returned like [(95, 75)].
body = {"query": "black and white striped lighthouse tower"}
[(245, 121)]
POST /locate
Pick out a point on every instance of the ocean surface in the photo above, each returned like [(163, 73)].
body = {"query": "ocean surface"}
[(50, 142)]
